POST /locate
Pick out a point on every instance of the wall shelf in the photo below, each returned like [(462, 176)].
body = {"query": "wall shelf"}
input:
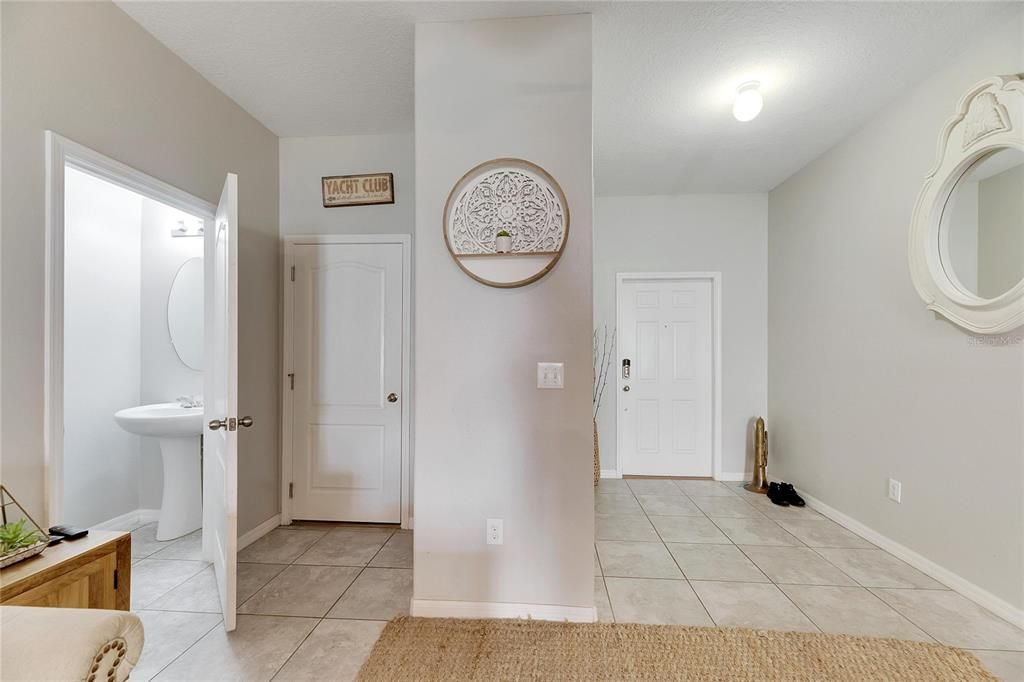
[(506, 255)]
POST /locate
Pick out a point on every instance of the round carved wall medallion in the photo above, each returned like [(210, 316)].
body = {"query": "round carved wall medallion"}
[(506, 222)]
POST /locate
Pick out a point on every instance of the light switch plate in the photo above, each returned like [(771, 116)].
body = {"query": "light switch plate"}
[(550, 375)]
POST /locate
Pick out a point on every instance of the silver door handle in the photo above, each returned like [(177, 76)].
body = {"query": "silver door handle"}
[(245, 421), (625, 388), (392, 397), (216, 424)]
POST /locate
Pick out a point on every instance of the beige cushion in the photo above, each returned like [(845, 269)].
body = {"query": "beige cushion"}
[(68, 644)]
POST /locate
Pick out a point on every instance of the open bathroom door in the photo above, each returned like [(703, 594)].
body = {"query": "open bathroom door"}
[(220, 386)]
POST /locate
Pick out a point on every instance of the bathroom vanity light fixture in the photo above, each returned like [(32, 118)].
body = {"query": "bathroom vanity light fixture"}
[(182, 231), (748, 101)]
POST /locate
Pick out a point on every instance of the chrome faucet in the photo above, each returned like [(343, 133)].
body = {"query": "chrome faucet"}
[(189, 402)]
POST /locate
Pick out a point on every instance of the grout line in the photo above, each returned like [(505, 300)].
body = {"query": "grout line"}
[(333, 604), (672, 556), (188, 648), (285, 565), (911, 620), (782, 591), (604, 582), (296, 649)]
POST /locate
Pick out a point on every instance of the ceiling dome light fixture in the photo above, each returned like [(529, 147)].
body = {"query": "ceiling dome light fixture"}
[(748, 101)]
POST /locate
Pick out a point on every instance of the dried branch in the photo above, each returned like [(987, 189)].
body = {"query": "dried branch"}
[(602, 363)]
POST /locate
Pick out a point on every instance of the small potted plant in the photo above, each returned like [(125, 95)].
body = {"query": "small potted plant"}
[(503, 242), (18, 542)]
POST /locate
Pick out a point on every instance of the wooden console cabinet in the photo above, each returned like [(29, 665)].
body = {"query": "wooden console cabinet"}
[(94, 572)]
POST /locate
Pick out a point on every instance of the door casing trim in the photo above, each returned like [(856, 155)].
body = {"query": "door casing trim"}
[(287, 364), (61, 153), (715, 278)]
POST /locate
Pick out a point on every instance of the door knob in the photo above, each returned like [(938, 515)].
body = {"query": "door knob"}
[(392, 397), (218, 424), (245, 421), (625, 388)]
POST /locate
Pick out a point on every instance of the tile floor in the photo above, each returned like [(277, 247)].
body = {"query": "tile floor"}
[(314, 597), (708, 553)]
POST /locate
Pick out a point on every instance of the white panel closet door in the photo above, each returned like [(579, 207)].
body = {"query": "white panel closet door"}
[(347, 411), (665, 406)]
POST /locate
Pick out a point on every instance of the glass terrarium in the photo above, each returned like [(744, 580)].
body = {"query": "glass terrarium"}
[(20, 536)]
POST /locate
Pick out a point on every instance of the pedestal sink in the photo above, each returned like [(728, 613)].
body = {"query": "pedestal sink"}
[(177, 430)]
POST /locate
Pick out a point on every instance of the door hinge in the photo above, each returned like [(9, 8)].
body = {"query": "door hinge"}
[(291, 490), (293, 273), (115, 578), (291, 379)]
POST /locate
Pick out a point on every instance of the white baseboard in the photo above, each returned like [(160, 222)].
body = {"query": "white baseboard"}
[(259, 531), (734, 476), (610, 473), (434, 608), (957, 583), (136, 517)]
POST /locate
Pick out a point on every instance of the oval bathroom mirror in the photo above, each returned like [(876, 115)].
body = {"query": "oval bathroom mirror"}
[(185, 313), (982, 228)]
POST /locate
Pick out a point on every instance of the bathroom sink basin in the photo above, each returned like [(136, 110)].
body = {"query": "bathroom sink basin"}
[(162, 420)]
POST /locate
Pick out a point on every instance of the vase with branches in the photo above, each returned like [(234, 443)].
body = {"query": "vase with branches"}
[(604, 356)]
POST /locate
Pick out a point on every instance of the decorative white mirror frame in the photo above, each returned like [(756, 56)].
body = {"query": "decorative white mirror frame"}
[(989, 117)]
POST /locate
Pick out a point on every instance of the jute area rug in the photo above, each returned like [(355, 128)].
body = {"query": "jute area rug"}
[(452, 650)]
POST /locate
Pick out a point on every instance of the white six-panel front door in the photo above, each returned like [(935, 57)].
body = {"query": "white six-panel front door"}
[(347, 407), (665, 330)]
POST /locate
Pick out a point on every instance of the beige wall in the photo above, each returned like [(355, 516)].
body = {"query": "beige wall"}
[(863, 382), (304, 160), (726, 233), (89, 73), (488, 443)]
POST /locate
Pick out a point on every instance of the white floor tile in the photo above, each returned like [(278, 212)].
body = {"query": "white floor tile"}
[(335, 650), (254, 652), (643, 600)]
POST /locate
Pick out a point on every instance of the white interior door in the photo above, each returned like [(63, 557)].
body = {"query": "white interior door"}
[(220, 391), (347, 371), (665, 331)]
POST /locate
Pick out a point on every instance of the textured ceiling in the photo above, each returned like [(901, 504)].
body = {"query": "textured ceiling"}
[(664, 73)]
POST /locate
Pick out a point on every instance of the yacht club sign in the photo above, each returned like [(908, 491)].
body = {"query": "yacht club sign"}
[(358, 190)]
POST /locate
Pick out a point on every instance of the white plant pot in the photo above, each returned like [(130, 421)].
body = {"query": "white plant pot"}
[(503, 244)]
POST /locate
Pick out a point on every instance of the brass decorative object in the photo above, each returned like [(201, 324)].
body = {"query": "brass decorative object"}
[(760, 482)]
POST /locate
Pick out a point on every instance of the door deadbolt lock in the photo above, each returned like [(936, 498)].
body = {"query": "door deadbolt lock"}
[(392, 397)]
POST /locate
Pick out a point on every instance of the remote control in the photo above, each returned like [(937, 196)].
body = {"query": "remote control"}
[(69, 532)]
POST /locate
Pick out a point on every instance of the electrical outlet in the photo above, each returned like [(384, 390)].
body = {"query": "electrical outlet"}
[(495, 532), (895, 490)]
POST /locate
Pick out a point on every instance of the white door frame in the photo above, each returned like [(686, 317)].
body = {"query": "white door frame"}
[(62, 152), (716, 349), (287, 395)]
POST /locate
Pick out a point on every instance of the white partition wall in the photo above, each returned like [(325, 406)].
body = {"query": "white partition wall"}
[(488, 443)]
